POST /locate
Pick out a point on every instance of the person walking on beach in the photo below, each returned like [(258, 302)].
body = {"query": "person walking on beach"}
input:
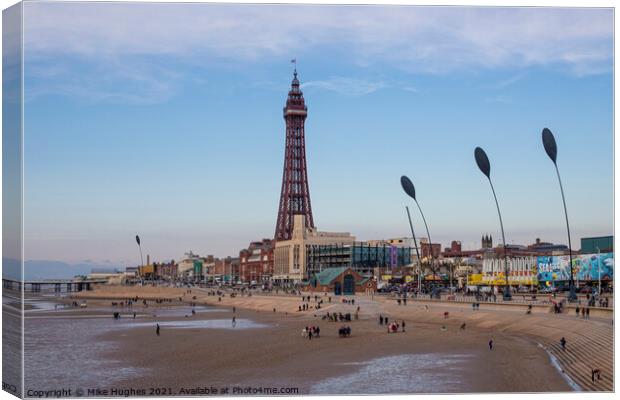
[(563, 343), (380, 319), (134, 315), (577, 311), (491, 344), (403, 325), (234, 310), (157, 330), (583, 312), (588, 313), (234, 322)]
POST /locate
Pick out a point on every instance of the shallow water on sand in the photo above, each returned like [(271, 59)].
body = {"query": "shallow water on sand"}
[(208, 324), (407, 373), (62, 350)]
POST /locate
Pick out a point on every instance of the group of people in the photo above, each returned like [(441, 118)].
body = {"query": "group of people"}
[(344, 331), (311, 331), (403, 301), (127, 303), (393, 327), (558, 307), (585, 312), (475, 306), (339, 317)]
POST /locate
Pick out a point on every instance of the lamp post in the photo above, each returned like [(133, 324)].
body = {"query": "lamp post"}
[(485, 166), (598, 250), (410, 190), (552, 151), (417, 252), (141, 259)]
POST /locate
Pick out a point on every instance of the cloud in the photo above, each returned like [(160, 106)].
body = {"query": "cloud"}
[(429, 40), (503, 99), (346, 86), (509, 82), (411, 89)]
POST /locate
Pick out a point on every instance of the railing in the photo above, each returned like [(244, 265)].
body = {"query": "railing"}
[(516, 299)]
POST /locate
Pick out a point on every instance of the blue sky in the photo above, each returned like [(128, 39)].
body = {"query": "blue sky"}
[(166, 120)]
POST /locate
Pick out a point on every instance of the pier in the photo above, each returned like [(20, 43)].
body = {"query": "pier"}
[(52, 285)]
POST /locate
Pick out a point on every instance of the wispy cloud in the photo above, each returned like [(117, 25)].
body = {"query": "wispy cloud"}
[(509, 82), (411, 89), (431, 40), (500, 99), (108, 80), (346, 86)]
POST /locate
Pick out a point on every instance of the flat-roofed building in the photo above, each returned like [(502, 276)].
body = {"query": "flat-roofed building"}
[(290, 255), (603, 244)]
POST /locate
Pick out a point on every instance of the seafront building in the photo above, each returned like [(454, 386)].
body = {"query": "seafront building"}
[(256, 262), (365, 258), (290, 256)]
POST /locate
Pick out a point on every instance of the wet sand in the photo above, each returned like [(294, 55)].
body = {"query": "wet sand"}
[(276, 355)]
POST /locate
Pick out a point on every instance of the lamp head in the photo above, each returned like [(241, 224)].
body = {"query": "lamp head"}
[(408, 186), (549, 143), (483, 161)]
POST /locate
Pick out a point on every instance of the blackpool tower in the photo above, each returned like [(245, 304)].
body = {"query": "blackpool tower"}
[(295, 194)]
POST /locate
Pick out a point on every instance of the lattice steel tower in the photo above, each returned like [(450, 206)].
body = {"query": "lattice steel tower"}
[(295, 194)]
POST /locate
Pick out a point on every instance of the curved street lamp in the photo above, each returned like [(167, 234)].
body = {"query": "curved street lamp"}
[(485, 166), (410, 190), (552, 151)]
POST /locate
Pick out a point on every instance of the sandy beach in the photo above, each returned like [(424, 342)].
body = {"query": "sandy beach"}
[(266, 348)]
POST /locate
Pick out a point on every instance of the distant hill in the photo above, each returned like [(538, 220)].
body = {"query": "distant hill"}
[(48, 269)]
